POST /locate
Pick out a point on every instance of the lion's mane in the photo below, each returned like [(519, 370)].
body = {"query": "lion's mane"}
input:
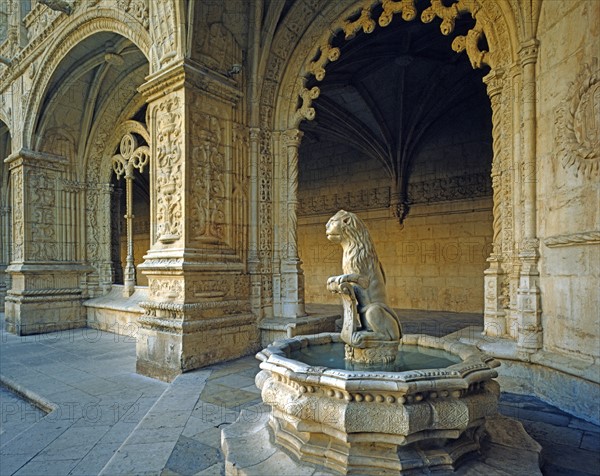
[(359, 254)]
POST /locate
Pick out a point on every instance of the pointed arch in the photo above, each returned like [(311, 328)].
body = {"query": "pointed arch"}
[(89, 23)]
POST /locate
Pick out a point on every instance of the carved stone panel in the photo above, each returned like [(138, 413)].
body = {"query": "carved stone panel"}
[(208, 179), (578, 122), (41, 200), (169, 168), (18, 207)]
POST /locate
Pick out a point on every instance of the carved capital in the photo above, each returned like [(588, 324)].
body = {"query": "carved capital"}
[(35, 159), (292, 137), (254, 133), (529, 51), (529, 249), (494, 82)]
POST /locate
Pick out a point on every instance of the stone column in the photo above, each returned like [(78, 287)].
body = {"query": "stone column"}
[(494, 313), (529, 332), (292, 288), (115, 242), (45, 292), (5, 245), (253, 225), (198, 311), (130, 157)]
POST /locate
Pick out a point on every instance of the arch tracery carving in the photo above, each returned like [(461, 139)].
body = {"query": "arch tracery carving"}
[(325, 52)]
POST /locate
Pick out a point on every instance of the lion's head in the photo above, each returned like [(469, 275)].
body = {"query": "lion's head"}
[(350, 231)]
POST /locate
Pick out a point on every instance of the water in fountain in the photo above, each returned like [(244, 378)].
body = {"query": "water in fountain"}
[(409, 357)]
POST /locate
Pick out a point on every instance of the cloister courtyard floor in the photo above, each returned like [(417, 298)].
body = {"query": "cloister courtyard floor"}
[(72, 404)]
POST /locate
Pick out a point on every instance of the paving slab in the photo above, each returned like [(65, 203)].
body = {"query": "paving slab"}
[(110, 420)]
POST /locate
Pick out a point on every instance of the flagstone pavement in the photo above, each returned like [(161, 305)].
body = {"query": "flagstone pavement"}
[(72, 404)]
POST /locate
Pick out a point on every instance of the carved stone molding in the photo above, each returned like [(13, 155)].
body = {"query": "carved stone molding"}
[(358, 200), (450, 188), (578, 122), (572, 239)]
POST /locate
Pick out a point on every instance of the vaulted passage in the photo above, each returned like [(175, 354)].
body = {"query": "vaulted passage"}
[(63, 244), (402, 137)]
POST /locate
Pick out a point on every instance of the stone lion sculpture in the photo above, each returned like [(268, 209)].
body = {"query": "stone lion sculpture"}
[(373, 322)]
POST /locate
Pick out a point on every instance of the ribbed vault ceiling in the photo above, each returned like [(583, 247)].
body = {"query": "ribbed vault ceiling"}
[(390, 89)]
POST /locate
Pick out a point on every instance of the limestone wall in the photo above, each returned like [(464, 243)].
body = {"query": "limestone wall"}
[(436, 262), (436, 258), (568, 189)]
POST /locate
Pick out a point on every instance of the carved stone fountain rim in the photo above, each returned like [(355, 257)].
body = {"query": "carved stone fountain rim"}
[(474, 367)]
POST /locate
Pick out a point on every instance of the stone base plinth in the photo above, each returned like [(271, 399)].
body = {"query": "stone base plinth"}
[(505, 448), (42, 313), (168, 347), (116, 313), (45, 298)]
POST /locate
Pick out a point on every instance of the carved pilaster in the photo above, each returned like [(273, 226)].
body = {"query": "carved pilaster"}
[(5, 247), (199, 309), (494, 307), (253, 225), (41, 271)]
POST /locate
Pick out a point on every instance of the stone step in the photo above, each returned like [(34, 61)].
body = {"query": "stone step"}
[(148, 447)]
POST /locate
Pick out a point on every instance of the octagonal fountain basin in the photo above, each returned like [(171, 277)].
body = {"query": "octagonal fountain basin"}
[(425, 410)]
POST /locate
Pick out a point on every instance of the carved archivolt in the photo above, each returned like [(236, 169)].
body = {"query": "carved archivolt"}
[(351, 25), (578, 122), (90, 22)]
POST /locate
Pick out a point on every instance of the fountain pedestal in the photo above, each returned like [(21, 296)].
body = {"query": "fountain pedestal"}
[(369, 421)]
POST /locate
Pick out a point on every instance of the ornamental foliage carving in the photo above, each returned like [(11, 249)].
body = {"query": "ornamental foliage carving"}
[(169, 169), (138, 9), (166, 289), (41, 188), (208, 179), (578, 122), (18, 218), (355, 200), (164, 31)]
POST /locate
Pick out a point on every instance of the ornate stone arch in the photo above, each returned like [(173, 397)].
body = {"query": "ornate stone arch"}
[(129, 126), (104, 139), (302, 47), (492, 20), (88, 23)]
